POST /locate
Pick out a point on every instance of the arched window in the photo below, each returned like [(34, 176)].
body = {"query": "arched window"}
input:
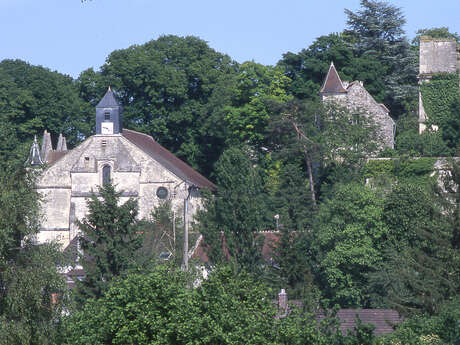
[(106, 174)]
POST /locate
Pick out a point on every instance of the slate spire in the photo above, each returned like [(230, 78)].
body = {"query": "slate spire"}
[(108, 100), (108, 114), (332, 82)]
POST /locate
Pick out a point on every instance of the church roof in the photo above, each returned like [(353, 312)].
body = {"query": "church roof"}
[(181, 169), (332, 83), (108, 101)]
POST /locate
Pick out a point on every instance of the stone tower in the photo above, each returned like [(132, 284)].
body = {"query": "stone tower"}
[(354, 96), (108, 115), (437, 55)]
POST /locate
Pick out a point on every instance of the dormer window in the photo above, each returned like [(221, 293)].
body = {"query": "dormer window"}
[(107, 116)]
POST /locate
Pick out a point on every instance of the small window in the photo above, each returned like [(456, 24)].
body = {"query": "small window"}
[(86, 162), (107, 116), (162, 193), (106, 174)]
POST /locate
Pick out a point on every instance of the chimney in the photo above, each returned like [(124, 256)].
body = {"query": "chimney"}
[(283, 300), (54, 299)]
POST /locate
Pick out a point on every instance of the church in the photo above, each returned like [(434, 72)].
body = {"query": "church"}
[(134, 162)]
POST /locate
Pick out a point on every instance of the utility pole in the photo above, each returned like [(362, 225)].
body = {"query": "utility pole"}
[(186, 201)]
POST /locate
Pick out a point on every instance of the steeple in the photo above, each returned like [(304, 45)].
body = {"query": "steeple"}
[(108, 115), (34, 155), (332, 83)]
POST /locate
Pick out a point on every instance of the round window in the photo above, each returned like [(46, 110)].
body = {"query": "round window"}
[(162, 193)]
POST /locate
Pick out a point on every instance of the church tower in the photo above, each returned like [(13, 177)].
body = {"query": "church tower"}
[(108, 115)]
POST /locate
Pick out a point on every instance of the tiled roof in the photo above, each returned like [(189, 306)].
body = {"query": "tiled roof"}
[(108, 101), (181, 169), (332, 82), (271, 238), (382, 319)]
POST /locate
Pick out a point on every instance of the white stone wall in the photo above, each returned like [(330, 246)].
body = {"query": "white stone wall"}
[(68, 182)]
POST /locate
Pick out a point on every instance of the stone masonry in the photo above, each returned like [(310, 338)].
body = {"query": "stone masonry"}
[(437, 55), (356, 98), (133, 161)]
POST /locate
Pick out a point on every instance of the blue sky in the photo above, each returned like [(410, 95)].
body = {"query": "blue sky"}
[(70, 36)]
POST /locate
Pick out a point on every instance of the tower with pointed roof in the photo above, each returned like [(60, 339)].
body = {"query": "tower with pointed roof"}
[(108, 115), (332, 85), (354, 97)]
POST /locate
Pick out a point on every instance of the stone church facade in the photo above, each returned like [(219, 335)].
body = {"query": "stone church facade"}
[(136, 164), (355, 97)]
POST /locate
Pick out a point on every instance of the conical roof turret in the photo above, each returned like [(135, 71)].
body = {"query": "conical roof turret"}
[(332, 82)]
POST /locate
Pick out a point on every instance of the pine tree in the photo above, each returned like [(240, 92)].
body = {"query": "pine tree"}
[(235, 215), (377, 30), (109, 240)]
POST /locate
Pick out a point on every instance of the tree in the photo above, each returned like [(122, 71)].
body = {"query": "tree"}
[(172, 88), (109, 240), (420, 268), (349, 235), (377, 29), (441, 32), (136, 309), (33, 98), (162, 235), (234, 216), (28, 273), (249, 114), (159, 308), (308, 68), (326, 135), (409, 142)]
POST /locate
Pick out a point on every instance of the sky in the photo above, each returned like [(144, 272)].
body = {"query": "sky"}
[(71, 36)]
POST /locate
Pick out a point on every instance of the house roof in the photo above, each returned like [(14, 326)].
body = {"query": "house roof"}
[(108, 101), (181, 169), (382, 319), (271, 238), (332, 82)]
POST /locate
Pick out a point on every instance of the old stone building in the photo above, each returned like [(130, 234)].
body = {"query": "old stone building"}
[(437, 55), (134, 162), (355, 97)]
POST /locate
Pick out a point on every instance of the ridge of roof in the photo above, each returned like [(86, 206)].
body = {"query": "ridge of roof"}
[(108, 100), (151, 147), (332, 83)]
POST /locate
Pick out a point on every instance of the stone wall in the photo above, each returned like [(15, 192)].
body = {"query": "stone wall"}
[(68, 182), (360, 100), (437, 55)]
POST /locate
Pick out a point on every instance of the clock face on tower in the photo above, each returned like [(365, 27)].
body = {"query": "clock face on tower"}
[(107, 128)]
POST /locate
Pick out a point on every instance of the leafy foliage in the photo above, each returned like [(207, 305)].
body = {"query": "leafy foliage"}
[(233, 217), (377, 30), (173, 88), (348, 242), (34, 98), (28, 273), (109, 240)]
